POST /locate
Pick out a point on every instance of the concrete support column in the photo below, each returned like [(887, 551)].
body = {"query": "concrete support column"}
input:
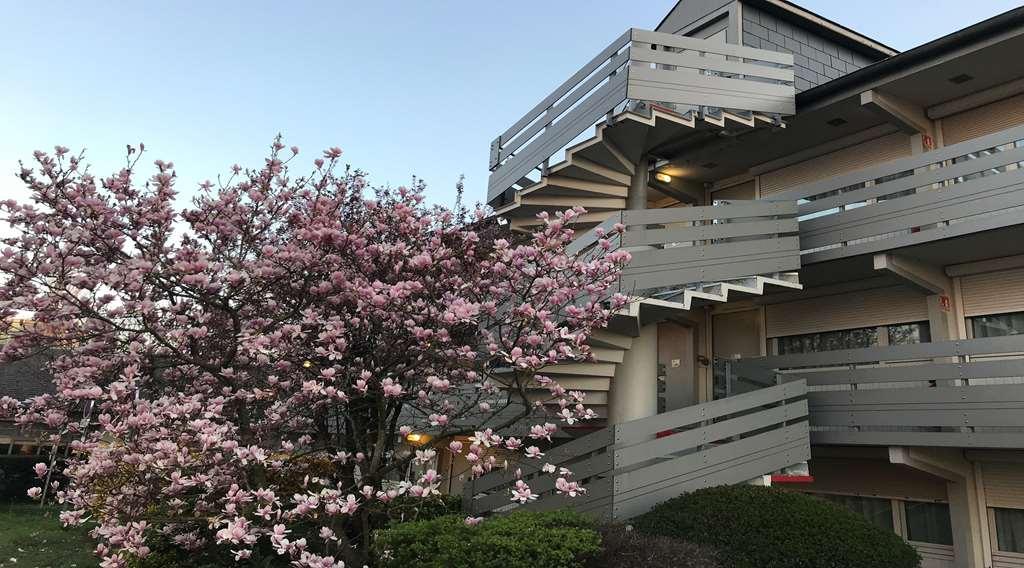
[(637, 196), (966, 522), (634, 389), (941, 319)]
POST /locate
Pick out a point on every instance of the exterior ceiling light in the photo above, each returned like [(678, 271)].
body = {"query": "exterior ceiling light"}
[(961, 78), (836, 122), (662, 177)]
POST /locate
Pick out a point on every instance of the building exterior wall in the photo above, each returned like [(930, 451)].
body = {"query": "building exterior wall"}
[(740, 191), (817, 60), (873, 478), (982, 120), (993, 293), (876, 151), (1004, 484), (879, 306), (737, 333)]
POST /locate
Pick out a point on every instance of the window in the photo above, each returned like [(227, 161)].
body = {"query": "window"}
[(928, 522), (998, 325), (877, 511), (895, 334), (909, 333), (1009, 529), (828, 341)]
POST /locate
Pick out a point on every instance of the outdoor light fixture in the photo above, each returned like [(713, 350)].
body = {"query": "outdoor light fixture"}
[(414, 438), (662, 177)]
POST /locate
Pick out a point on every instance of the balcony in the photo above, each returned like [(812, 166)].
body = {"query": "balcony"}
[(679, 73), (962, 189), (628, 468), (965, 393), (696, 249)]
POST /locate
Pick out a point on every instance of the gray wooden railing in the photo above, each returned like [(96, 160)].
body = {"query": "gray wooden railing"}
[(965, 393), (628, 468), (648, 66), (684, 245), (956, 190)]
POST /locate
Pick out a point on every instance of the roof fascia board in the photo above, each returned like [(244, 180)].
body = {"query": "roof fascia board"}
[(913, 61), (703, 21), (859, 40), (696, 23)]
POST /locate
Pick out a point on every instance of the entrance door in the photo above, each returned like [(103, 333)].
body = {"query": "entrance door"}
[(677, 385)]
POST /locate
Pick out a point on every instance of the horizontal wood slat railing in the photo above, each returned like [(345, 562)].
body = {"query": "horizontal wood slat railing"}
[(686, 245), (963, 188), (964, 393), (648, 66), (628, 468)]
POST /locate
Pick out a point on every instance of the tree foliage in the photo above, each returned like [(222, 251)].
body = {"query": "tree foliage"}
[(240, 373)]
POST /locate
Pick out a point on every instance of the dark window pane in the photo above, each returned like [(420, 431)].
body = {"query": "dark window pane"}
[(1010, 529), (998, 325), (909, 333), (829, 341), (877, 511), (928, 522)]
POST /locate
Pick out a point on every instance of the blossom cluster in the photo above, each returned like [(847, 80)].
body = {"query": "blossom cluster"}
[(240, 374)]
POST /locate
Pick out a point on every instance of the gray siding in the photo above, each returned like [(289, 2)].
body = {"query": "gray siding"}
[(817, 60)]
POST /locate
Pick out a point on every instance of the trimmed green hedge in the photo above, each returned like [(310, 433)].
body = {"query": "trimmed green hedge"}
[(762, 527), (560, 539)]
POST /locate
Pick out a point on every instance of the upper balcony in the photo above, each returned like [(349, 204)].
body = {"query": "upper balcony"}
[(684, 75), (962, 189), (964, 393), (688, 256)]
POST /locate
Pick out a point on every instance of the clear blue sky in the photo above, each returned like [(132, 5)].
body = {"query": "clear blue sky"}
[(411, 87)]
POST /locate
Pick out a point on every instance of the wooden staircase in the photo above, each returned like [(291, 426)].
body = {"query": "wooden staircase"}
[(596, 172), (628, 468)]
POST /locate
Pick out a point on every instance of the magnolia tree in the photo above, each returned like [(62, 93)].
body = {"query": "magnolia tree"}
[(238, 376)]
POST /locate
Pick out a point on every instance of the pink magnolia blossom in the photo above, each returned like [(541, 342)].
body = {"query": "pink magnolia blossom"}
[(239, 359)]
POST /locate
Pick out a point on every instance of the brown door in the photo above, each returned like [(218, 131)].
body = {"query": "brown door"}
[(677, 385)]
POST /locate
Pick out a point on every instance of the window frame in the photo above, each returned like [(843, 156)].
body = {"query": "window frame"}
[(994, 538), (882, 333), (969, 320), (906, 525)]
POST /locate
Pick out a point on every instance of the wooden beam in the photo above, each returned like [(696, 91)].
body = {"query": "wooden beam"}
[(824, 148), (603, 171), (973, 100), (568, 201), (611, 190), (615, 151), (909, 117), (927, 278), (982, 266)]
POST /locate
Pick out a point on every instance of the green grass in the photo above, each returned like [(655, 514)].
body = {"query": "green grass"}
[(31, 537)]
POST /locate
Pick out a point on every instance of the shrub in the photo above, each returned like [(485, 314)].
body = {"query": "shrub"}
[(623, 548), (754, 527), (560, 539), (406, 508)]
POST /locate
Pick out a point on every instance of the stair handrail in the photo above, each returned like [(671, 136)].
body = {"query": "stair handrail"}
[(630, 448), (502, 145)]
